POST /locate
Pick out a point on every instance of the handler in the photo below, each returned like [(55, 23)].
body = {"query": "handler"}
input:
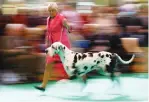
[(57, 28)]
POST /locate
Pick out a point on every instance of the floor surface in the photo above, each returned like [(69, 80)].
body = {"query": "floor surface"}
[(132, 87)]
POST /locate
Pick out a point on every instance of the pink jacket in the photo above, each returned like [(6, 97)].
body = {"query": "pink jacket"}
[(56, 32)]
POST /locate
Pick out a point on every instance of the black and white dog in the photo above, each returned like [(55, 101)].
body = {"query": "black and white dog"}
[(79, 64)]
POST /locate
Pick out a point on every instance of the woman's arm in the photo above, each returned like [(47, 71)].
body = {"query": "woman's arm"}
[(47, 42), (66, 25)]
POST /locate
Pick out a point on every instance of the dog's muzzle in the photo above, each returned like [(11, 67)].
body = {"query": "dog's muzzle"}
[(46, 51)]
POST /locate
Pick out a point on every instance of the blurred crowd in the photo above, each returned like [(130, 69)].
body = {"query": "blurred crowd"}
[(23, 32), (102, 20)]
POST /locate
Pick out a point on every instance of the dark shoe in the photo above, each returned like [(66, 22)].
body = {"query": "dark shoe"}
[(40, 88)]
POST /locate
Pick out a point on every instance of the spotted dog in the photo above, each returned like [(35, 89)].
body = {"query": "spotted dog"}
[(79, 64)]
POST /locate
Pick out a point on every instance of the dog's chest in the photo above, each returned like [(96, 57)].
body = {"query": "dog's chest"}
[(68, 64), (69, 59)]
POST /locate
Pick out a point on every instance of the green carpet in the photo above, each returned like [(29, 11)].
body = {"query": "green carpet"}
[(133, 87)]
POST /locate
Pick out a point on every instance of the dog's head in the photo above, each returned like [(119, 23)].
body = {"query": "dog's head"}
[(55, 48)]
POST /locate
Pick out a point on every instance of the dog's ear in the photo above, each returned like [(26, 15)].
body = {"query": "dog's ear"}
[(53, 47)]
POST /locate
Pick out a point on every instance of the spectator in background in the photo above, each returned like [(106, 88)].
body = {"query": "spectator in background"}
[(56, 31), (143, 15), (102, 23), (127, 9), (132, 20), (20, 17), (33, 18), (128, 16), (4, 20), (73, 17)]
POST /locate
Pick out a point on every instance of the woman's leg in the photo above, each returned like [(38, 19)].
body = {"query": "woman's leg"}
[(47, 73)]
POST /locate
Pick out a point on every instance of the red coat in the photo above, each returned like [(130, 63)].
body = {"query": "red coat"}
[(56, 32)]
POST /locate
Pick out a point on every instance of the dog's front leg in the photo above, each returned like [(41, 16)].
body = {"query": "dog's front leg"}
[(84, 78)]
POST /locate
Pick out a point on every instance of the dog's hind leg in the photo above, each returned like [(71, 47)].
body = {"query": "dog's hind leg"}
[(84, 79), (111, 69), (114, 77), (115, 83)]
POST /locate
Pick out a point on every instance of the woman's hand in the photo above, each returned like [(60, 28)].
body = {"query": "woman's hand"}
[(47, 42), (47, 45)]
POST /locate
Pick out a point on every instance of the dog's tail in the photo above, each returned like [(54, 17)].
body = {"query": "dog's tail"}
[(122, 61)]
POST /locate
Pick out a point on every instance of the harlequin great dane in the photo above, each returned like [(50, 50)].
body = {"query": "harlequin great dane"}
[(79, 64)]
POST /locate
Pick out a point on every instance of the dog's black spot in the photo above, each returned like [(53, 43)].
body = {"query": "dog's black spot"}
[(79, 57), (75, 58), (73, 65), (59, 47), (94, 60), (64, 47), (84, 55), (99, 54), (110, 68), (90, 54), (85, 67), (53, 47), (107, 55), (98, 62), (92, 67), (110, 56), (102, 56), (74, 61), (80, 73), (73, 77), (75, 72)]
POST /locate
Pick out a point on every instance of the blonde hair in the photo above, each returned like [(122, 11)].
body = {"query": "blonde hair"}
[(53, 5)]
